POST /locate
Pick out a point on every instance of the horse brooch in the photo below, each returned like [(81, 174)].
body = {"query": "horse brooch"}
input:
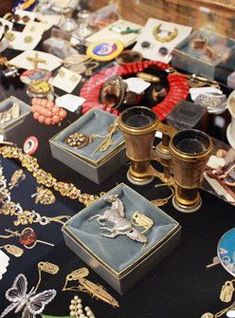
[(121, 225)]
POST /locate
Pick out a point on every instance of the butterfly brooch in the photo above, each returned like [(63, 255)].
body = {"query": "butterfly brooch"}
[(31, 303)]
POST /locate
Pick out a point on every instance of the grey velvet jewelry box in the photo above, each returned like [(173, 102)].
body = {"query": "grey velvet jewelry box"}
[(6, 105), (96, 166), (120, 261)]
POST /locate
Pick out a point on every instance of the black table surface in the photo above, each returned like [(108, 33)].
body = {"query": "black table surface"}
[(178, 287)]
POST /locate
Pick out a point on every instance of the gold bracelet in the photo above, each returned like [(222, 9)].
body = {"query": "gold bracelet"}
[(45, 178)]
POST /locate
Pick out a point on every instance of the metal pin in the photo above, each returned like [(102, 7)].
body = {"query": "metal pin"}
[(215, 262)]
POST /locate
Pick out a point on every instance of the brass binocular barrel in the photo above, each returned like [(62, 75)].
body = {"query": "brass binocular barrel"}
[(183, 155)]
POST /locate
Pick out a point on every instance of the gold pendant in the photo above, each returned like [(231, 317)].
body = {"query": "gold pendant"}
[(226, 293), (48, 267)]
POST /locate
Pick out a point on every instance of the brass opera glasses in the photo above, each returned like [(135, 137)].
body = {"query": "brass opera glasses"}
[(185, 153), (190, 150), (139, 125)]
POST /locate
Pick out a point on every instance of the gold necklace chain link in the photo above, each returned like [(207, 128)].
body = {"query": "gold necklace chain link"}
[(45, 178)]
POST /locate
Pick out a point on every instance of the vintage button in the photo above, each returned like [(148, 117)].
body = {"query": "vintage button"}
[(145, 44), (163, 50), (30, 145)]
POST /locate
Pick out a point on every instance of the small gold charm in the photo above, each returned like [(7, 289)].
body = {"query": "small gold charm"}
[(142, 220), (16, 178), (226, 293), (207, 315), (87, 286), (163, 201), (13, 250), (159, 202), (78, 273), (43, 196), (48, 267)]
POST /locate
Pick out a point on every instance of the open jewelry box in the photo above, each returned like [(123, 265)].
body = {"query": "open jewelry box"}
[(94, 165), (121, 261), (6, 107), (205, 53)]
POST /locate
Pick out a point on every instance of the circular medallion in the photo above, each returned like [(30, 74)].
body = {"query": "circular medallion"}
[(105, 50), (35, 74), (30, 145), (78, 140), (226, 251)]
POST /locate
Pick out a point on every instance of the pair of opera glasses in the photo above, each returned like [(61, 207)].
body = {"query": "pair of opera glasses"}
[(182, 154)]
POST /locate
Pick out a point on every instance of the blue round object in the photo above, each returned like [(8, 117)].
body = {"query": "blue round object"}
[(226, 251), (105, 49)]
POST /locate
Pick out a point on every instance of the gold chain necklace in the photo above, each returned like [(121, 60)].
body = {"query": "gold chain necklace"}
[(45, 178)]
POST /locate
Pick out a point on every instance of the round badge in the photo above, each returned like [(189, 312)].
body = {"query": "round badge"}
[(30, 145), (33, 75), (226, 251), (105, 51)]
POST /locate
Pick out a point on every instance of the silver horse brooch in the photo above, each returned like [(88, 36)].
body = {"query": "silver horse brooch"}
[(121, 225)]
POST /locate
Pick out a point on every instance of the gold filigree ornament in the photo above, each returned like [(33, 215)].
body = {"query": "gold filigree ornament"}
[(44, 196), (45, 178)]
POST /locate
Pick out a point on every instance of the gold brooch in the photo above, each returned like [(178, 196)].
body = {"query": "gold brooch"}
[(168, 36), (43, 196)]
